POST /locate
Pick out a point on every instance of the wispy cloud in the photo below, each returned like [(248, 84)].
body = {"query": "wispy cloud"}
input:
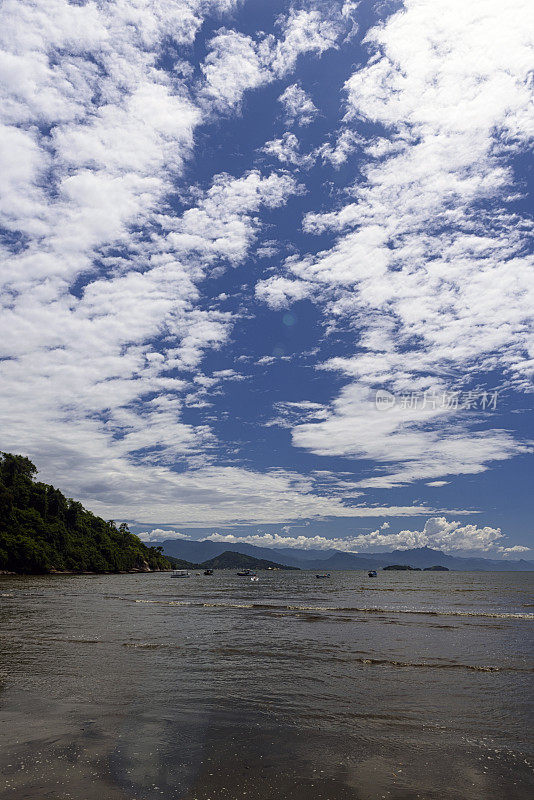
[(287, 151), (430, 265), (298, 105)]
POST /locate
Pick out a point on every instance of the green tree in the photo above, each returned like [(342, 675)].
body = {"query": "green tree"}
[(41, 530)]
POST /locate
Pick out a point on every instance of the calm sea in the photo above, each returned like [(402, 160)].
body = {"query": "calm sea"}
[(409, 685)]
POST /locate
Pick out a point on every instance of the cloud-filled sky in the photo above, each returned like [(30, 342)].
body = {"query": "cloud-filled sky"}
[(267, 267)]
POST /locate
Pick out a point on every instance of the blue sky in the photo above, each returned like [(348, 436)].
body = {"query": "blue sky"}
[(228, 224)]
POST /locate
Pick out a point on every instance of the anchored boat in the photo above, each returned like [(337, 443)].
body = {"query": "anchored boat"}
[(180, 573)]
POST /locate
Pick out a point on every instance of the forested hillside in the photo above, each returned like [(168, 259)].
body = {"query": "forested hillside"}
[(41, 530)]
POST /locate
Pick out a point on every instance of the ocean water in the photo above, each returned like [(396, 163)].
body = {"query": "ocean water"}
[(410, 685)]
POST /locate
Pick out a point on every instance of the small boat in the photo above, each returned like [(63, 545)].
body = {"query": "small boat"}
[(180, 573), (372, 573), (254, 578), (208, 572), (246, 573), (326, 575)]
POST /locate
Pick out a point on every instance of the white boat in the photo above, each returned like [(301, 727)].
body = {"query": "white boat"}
[(254, 578), (180, 573)]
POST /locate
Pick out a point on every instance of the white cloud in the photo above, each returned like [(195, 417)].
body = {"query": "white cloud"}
[(298, 105), (430, 265), (119, 129), (233, 65), (450, 536), (280, 292), (223, 223), (303, 31), (413, 444), (346, 143), (237, 62), (160, 535), (515, 550), (437, 533), (347, 12), (95, 371), (286, 150), (147, 491)]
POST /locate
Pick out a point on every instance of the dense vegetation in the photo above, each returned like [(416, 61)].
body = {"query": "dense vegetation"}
[(41, 530)]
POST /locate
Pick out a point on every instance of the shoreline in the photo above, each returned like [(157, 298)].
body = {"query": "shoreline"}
[(86, 572)]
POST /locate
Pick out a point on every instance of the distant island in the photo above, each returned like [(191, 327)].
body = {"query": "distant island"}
[(42, 531), (230, 559), (416, 569)]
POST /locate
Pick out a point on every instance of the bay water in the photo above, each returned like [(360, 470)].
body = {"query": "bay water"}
[(409, 685)]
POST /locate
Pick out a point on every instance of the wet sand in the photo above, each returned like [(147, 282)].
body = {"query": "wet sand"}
[(63, 755)]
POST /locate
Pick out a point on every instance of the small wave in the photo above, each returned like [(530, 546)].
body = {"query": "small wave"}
[(84, 641), (71, 639), (344, 609), (144, 646), (451, 665), (367, 660), (426, 612)]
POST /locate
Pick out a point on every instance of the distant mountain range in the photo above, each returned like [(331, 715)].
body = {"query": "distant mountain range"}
[(200, 551)]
